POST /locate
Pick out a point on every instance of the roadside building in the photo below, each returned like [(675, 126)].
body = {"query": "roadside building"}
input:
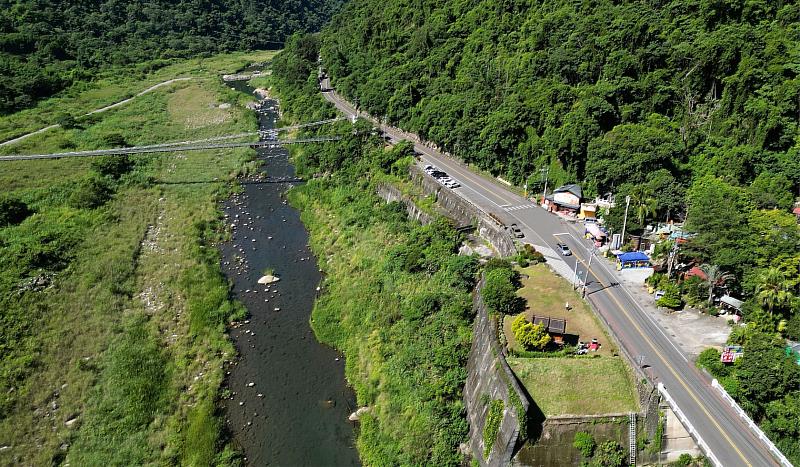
[(731, 306), (556, 327), (632, 259), (565, 199)]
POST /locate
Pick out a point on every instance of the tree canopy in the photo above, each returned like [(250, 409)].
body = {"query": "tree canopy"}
[(47, 45)]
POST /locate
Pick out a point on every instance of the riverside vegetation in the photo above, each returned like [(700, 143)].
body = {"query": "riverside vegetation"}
[(114, 308), (396, 295)]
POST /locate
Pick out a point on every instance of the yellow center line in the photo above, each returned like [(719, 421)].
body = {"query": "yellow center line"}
[(671, 369)]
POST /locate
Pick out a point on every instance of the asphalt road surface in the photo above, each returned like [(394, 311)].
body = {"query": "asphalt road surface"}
[(727, 435)]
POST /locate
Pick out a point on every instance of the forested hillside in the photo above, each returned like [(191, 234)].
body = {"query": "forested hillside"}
[(47, 45), (682, 104), (690, 107)]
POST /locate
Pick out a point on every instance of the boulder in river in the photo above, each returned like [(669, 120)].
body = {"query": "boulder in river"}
[(356, 416), (268, 279)]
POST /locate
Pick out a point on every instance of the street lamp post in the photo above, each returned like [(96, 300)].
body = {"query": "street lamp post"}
[(575, 275), (625, 221), (588, 270)]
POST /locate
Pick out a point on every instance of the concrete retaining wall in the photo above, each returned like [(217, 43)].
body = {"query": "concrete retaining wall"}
[(466, 213), (554, 447), (390, 193), (490, 378)]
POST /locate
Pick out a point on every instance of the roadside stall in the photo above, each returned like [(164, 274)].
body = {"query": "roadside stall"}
[(633, 259)]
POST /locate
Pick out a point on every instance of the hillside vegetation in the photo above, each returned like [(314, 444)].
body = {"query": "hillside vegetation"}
[(690, 107), (47, 46)]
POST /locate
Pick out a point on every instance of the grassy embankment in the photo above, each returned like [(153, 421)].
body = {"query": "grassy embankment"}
[(396, 296), (570, 385), (127, 341)]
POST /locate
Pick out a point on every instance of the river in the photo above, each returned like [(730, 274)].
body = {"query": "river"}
[(289, 401)]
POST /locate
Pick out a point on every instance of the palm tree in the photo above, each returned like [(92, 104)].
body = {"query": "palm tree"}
[(773, 289), (644, 201), (714, 277)]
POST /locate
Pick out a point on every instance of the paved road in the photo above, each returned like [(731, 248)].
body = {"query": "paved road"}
[(102, 109), (727, 436)]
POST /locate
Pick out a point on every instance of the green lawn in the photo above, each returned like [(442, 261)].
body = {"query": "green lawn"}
[(577, 386), (546, 294)]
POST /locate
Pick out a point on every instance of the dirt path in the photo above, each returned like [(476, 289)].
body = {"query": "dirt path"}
[(102, 109)]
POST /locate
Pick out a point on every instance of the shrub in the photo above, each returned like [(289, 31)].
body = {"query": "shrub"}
[(529, 255), (13, 211), (610, 454), (67, 122), (710, 360), (694, 291), (657, 280), (684, 460), (91, 193), (529, 335), (584, 442), (112, 166), (500, 293), (671, 298)]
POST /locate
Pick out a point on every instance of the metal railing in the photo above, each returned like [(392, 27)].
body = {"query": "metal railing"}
[(689, 427), (755, 428)]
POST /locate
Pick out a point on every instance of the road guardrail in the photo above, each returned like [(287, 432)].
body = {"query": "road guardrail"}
[(689, 427), (756, 429)]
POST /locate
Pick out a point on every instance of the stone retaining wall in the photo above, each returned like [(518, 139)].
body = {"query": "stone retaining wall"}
[(465, 213), (391, 193), (490, 378)]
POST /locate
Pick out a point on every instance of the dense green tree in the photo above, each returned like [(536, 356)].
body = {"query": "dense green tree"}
[(773, 291), (500, 293), (765, 373), (47, 46), (717, 212)]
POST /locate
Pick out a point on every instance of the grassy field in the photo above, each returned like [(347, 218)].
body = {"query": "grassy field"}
[(569, 385), (546, 294), (577, 386), (121, 83), (118, 360)]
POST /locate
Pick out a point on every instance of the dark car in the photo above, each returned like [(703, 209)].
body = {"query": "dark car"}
[(515, 231), (564, 249)]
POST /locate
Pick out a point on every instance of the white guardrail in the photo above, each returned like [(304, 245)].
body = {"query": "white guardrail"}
[(755, 428), (689, 427)]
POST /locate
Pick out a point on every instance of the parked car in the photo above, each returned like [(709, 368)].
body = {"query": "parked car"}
[(438, 174), (429, 168), (564, 249), (516, 231)]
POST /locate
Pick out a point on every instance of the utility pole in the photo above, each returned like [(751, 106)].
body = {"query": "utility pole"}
[(588, 270), (673, 253), (625, 221), (546, 172)]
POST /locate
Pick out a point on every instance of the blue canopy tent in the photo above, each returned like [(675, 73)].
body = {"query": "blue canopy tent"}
[(633, 259)]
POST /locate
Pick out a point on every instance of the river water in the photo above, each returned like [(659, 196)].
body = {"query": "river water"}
[(289, 401)]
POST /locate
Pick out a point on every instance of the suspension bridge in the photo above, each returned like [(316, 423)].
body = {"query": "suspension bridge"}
[(219, 142)]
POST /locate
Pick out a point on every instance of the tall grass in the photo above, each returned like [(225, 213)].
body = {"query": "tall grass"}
[(127, 341)]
